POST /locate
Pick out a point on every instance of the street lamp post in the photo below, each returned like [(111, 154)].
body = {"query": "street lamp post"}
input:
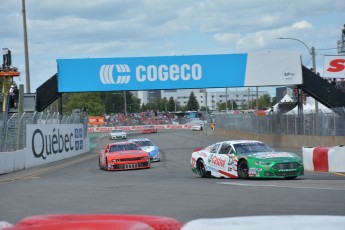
[(312, 53), (27, 70), (125, 101)]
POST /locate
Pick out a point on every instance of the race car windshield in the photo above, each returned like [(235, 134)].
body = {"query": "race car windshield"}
[(250, 148), (117, 148), (145, 143), (116, 131)]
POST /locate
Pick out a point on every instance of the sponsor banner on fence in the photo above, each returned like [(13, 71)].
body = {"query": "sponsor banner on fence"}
[(96, 120), (135, 128)]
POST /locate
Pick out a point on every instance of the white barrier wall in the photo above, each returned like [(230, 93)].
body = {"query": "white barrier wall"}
[(46, 143), (12, 161)]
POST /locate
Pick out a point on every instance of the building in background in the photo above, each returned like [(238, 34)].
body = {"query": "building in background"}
[(210, 97)]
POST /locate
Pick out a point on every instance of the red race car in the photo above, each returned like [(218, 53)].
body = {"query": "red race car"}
[(123, 156), (149, 129)]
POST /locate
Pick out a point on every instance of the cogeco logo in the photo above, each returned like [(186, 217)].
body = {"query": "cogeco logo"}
[(164, 72), (44, 145)]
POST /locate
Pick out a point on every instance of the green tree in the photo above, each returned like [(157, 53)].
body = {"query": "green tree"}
[(231, 105), (264, 102), (202, 108), (115, 103), (162, 104), (135, 107), (193, 104), (90, 102), (171, 105)]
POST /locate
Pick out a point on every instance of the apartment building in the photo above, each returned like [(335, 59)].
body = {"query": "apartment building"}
[(209, 97)]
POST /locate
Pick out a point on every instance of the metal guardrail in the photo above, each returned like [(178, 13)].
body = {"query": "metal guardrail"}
[(321, 124), (13, 129)]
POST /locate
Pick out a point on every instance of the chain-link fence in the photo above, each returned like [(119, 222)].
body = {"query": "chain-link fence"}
[(321, 124), (13, 129)]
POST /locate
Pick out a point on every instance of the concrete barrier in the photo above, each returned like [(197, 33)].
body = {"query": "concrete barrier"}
[(324, 159), (12, 161)]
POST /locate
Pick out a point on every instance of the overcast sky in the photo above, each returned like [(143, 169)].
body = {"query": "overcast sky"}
[(59, 29)]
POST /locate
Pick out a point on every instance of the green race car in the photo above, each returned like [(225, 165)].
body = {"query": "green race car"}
[(245, 159)]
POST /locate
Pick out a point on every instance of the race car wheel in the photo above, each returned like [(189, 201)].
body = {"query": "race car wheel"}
[(200, 166), (106, 163), (291, 177), (243, 170)]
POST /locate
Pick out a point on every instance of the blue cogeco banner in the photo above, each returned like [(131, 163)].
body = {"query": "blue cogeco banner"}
[(146, 73)]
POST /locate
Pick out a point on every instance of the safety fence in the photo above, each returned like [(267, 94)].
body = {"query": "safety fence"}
[(321, 124), (13, 129)]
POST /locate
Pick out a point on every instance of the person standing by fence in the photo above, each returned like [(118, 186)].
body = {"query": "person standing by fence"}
[(15, 97)]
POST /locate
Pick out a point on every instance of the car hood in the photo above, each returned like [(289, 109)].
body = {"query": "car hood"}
[(118, 133), (129, 153), (148, 148), (274, 156)]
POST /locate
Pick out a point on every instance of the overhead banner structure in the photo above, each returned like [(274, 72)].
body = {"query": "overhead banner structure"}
[(179, 72), (334, 66)]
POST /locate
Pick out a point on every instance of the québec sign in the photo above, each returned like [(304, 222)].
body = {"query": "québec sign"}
[(50, 142), (334, 66)]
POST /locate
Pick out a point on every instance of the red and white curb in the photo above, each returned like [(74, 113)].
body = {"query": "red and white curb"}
[(324, 159)]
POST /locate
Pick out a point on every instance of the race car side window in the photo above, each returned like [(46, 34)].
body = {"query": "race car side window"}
[(225, 149), (215, 148)]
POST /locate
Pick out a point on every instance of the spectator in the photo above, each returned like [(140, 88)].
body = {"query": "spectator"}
[(212, 125), (11, 96), (15, 97)]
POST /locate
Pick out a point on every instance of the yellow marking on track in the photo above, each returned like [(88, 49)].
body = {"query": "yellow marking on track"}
[(339, 174), (31, 177)]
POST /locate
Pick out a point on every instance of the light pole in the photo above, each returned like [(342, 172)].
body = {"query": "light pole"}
[(226, 100), (312, 53), (27, 70)]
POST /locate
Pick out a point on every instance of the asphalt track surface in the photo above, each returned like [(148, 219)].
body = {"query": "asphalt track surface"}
[(169, 188)]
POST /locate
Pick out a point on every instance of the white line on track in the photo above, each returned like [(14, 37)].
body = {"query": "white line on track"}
[(278, 186)]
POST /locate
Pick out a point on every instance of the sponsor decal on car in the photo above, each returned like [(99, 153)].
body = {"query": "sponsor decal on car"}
[(218, 161), (193, 162), (254, 172)]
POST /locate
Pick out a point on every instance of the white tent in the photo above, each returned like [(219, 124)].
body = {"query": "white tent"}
[(309, 107), (286, 98)]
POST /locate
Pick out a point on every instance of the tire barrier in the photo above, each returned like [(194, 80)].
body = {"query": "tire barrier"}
[(86, 225), (324, 159), (153, 222)]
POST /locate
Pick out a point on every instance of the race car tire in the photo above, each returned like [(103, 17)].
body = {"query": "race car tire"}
[(106, 163), (154, 222), (99, 163), (243, 170), (201, 169), (290, 177)]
